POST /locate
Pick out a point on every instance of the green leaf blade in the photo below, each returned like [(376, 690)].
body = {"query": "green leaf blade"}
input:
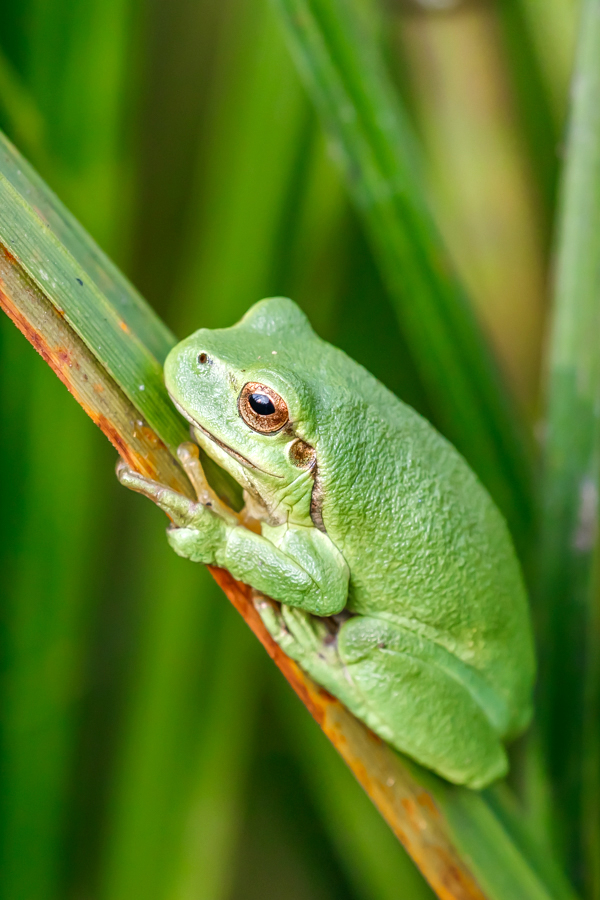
[(569, 564), (376, 149)]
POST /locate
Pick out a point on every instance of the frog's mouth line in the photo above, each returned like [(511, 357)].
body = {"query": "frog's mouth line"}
[(247, 463)]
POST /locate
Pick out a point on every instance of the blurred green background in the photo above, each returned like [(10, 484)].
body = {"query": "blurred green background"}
[(148, 747)]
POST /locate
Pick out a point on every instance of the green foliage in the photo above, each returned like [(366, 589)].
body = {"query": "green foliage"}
[(570, 697), (146, 750), (372, 137)]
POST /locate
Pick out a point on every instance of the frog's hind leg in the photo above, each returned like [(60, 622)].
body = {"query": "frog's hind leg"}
[(425, 707), (309, 641), (390, 679)]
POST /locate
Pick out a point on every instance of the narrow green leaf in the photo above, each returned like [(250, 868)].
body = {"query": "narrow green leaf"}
[(551, 27), (569, 587), (503, 869), (541, 120), (121, 329), (40, 202), (337, 55), (481, 191)]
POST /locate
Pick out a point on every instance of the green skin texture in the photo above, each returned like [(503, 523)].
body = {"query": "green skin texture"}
[(437, 654)]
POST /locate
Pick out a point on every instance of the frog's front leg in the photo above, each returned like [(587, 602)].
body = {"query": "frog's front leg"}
[(196, 530), (303, 569), (178, 507)]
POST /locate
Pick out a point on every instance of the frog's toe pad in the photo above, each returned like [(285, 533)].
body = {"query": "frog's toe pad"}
[(308, 631), (272, 619), (134, 481), (127, 476)]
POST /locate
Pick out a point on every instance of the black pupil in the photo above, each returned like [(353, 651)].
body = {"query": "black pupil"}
[(261, 404)]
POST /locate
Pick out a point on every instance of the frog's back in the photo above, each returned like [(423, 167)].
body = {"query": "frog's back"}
[(425, 544)]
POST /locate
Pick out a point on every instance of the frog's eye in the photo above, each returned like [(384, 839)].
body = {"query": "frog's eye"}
[(262, 408)]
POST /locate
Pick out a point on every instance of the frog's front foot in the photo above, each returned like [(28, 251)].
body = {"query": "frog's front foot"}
[(180, 509), (134, 481), (197, 531)]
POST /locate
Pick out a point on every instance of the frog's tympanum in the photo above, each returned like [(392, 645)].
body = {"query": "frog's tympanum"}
[(396, 581)]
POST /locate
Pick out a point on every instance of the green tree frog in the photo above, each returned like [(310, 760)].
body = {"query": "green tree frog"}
[(396, 583)]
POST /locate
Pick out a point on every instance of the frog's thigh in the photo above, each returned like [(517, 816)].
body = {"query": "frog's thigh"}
[(418, 707)]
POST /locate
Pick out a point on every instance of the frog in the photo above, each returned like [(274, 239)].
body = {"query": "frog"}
[(377, 559)]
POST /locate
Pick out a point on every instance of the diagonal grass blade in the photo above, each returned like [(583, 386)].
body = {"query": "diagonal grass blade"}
[(337, 55)]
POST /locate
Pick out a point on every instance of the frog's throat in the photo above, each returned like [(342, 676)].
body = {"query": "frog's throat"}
[(244, 461)]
